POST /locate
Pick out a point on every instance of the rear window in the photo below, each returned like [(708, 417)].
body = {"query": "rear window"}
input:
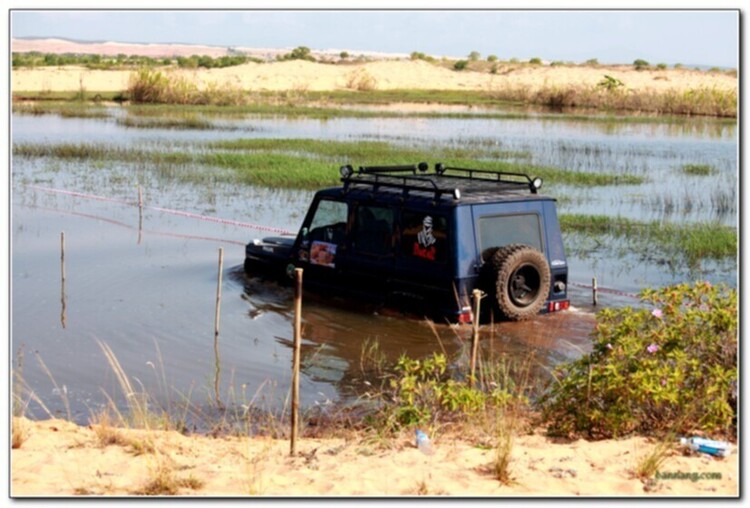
[(503, 230)]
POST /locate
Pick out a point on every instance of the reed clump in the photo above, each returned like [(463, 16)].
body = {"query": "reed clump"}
[(704, 101), (149, 86)]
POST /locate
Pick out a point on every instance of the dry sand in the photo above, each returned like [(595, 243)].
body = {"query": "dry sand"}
[(63, 459), (299, 75)]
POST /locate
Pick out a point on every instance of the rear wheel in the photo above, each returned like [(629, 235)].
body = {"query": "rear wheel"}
[(522, 280)]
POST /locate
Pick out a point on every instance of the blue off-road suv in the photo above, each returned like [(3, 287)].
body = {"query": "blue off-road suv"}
[(422, 241)]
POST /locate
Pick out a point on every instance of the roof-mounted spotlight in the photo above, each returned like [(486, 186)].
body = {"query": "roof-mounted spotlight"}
[(536, 184), (439, 168), (346, 171), (423, 166)]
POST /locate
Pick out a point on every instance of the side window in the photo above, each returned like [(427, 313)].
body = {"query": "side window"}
[(329, 222), (424, 236), (503, 230), (373, 230)]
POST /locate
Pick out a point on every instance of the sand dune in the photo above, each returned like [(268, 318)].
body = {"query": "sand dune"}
[(301, 75)]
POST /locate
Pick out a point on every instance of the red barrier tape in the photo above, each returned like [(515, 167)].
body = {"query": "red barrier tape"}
[(259, 227), (605, 290), (180, 213)]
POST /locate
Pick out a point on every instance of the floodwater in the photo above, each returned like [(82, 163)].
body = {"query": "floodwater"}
[(150, 294)]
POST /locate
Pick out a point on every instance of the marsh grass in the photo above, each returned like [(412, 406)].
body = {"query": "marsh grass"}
[(307, 163), (694, 241), (698, 169), (188, 122), (63, 109)]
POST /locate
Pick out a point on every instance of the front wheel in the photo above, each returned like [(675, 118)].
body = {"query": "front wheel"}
[(522, 281)]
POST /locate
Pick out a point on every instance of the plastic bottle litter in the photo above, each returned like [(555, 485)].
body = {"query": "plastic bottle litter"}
[(423, 443), (709, 446)]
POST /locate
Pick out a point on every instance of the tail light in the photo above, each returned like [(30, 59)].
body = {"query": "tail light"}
[(559, 305), (465, 316)]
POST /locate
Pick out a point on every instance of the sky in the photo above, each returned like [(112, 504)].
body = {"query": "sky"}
[(706, 37)]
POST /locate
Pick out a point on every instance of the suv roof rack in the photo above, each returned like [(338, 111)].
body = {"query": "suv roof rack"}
[(392, 177)]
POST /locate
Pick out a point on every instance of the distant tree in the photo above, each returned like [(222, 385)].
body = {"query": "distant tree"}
[(344, 55), (641, 64), (492, 58), (592, 61), (474, 56), (661, 66), (460, 65), (301, 53), (535, 61)]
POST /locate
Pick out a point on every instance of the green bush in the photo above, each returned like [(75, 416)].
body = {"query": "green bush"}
[(422, 390), (592, 61), (661, 66), (474, 56), (298, 53), (668, 368), (610, 83), (492, 58), (535, 61), (641, 64), (460, 65)]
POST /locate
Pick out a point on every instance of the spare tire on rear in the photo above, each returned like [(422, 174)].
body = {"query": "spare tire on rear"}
[(522, 281)]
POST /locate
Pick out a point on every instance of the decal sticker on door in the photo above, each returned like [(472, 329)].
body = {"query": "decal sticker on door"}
[(323, 254)]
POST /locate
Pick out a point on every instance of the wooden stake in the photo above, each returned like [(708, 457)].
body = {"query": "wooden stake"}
[(140, 214), (217, 318), (594, 290), (63, 312), (296, 357), (475, 336)]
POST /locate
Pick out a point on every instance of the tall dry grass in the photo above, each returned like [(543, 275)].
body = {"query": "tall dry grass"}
[(704, 101), (149, 86)]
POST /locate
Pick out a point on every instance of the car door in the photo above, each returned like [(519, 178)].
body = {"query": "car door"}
[(370, 252)]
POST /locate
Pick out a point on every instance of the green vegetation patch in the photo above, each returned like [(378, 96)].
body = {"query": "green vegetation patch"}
[(381, 153), (698, 169), (307, 163), (693, 241), (63, 109), (670, 368)]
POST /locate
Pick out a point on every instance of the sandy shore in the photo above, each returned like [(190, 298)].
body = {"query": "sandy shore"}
[(62, 459), (302, 76)]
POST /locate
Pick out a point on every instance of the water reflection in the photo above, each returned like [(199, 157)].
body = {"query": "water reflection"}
[(338, 336)]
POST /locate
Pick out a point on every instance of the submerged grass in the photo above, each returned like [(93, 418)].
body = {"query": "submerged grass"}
[(696, 241), (698, 169), (188, 122), (63, 109), (306, 163)]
